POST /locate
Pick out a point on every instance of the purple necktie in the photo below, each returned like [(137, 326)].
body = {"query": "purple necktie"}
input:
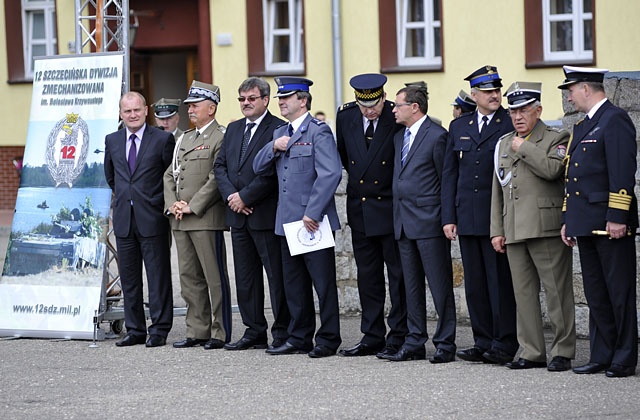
[(132, 154)]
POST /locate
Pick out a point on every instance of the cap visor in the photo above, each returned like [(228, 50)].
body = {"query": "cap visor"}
[(566, 84), (284, 94), (192, 100)]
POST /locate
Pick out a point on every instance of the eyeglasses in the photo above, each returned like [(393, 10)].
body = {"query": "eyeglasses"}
[(404, 104), (249, 98)]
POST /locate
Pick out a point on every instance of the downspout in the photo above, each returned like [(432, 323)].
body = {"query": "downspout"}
[(337, 52)]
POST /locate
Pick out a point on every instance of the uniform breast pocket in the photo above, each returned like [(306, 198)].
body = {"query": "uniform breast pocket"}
[(301, 158), (200, 161), (461, 146)]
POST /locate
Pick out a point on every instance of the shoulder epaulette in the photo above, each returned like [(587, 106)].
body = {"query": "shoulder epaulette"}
[(556, 129), (281, 125), (188, 131), (317, 122), (346, 106), (222, 128), (506, 135)]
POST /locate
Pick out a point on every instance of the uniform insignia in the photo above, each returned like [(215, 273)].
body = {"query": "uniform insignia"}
[(497, 119), (465, 138), (67, 149), (504, 156), (202, 147), (317, 122), (593, 131), (222, 129), (346, 106), (301, 143), (471, 122), (501, 172), (561, 151), (589, 141)]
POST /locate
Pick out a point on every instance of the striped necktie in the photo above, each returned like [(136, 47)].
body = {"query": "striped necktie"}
[(405, 145)]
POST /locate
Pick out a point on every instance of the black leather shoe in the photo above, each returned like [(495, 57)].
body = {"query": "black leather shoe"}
[(189, 342), (619, 371), (360, 349), (156, 341), (589, 368), (498, 356), (403, 355), (321, 351), (525, 364), (213, 344), (388, 350), (286, 348), (473, 354), (131, 340), (277, 342), (246, 343), (442, 356), (559, 364)]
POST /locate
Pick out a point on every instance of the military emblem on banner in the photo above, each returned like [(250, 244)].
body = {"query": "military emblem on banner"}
[(67, 148)]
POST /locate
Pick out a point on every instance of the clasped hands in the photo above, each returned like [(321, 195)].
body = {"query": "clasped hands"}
[(179, 209), (237, 205)]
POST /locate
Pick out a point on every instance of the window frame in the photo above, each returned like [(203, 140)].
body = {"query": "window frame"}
[(391, 40), (428, 25), (259, 43), (537, 36), (29, 9)]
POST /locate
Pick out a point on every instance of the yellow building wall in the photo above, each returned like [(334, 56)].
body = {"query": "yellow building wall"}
[(474, 35)]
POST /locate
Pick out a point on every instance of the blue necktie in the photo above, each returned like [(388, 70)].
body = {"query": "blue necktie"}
[(405, 145), (290, 130), (132, 153), (245, 139)]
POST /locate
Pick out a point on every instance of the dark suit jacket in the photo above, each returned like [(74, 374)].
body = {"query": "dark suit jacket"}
[(416, 186), (468, 172), (601, 173), (144, 187), (259, 192), (369, 195)]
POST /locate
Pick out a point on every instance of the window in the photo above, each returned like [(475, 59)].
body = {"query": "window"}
[(30, 27), (38, 31), (559, 32), (275, 37), (410, 35)]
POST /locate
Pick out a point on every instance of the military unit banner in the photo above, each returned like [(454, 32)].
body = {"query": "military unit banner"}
[(53, 272)]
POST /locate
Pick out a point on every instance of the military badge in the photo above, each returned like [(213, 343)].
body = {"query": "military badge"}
[(561, 151), (67, 148)]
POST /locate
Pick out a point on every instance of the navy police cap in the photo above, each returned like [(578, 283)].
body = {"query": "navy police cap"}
[(288, 85), (368, 88), (581, 74), (485, 78)]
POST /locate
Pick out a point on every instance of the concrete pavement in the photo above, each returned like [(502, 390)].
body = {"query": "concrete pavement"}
[(59, 379)]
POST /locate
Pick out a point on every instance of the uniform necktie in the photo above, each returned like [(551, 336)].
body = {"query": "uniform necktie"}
[(245, 139), (133, 153), (405, 145), (290, 130), (485, 122), (197, 133), (368, 135)]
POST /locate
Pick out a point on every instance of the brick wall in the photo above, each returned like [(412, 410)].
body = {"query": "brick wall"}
[(9, 178)]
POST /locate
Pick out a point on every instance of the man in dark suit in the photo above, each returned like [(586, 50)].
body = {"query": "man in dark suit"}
[(251, 212), (135, 159), (466, 207), (304, 155), (417, 175), (364, 132), (600, 214)]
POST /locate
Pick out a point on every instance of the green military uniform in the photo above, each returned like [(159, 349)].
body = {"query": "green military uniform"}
[(526, 209), (199, 238)]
